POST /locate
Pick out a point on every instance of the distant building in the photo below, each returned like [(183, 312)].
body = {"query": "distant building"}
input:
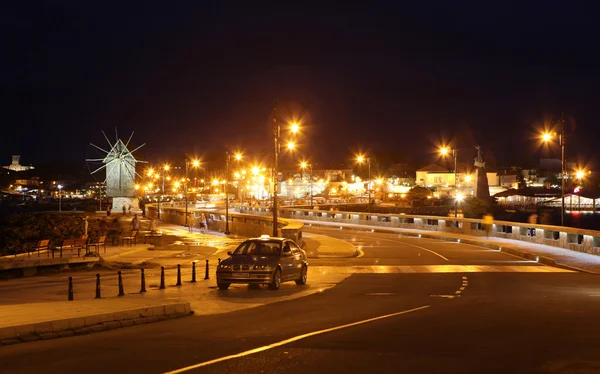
[(16, 166)]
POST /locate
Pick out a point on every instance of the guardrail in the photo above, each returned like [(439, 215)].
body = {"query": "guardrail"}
[(575, 239), (242, 224)]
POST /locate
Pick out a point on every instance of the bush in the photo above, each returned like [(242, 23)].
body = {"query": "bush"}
[(22, 230)]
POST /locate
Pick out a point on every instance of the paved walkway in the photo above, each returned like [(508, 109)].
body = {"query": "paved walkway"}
[(544, 253), (178, 246)]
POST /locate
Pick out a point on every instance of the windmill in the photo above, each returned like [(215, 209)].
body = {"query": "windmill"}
[(119, 163)]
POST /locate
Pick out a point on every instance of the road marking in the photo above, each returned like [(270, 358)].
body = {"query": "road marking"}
[(395, 269), (444, 296), (412, 245), (380, 294), (291, 340)]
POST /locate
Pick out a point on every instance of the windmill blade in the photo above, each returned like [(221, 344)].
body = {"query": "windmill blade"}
[(130, 136), (103, 150), (94, 159), (100, 168), (108, 141), (137, 148)]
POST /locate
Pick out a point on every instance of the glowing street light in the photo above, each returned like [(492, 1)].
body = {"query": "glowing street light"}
[(304, 165), (445, 151), (195, 163), (291, 146), (360, 159), (580, 174), (547, 137), (294, 128), (59, 197)]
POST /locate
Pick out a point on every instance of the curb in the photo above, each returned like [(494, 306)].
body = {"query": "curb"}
[(90, 324), (507, 249)]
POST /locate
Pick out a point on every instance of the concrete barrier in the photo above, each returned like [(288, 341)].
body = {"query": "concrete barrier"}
[(575, 239)]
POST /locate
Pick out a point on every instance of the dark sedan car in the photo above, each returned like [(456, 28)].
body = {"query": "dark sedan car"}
[(265, 260)]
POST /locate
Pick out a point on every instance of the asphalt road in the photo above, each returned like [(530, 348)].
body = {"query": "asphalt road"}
[(507, 318)]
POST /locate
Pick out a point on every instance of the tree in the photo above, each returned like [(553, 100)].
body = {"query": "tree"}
[(419, 193)]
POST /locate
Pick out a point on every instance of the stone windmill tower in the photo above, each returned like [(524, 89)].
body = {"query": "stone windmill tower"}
[(119, 164)]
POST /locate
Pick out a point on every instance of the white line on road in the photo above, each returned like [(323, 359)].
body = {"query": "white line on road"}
[(290, 340), (412, 245)]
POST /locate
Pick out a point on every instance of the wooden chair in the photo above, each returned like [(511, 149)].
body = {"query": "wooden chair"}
[(129, 238), (101, 242), (42, 245)]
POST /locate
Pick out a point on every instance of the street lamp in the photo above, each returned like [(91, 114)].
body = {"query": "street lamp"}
[(360, 159), (195, 163), (59, 197), (238, 157), (294, 127), (276, 133), (444, 151), (546, 137), (304, 165), (162, 191)]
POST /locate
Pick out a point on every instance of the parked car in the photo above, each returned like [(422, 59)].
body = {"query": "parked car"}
[(265, 260)]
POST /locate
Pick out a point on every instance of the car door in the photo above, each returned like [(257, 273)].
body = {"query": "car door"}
[(287, 262), (298, 260)]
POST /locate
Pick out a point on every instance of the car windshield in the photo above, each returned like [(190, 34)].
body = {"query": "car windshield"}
[(258, 248)]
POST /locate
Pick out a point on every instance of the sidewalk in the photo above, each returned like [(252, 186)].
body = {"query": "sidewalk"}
[(53, 316), (321, 246), (546, 254)]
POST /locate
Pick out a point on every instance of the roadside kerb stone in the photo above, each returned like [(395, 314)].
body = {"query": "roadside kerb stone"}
[(90, 324)]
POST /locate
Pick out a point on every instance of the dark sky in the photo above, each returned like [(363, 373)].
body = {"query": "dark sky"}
[(390, 79)]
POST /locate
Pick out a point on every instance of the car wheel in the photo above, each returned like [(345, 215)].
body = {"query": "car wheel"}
[(274, 285), (223, 285), (303, 276)]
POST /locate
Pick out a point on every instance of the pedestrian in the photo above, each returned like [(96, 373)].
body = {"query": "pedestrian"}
[(114, 230), (203, 223), (108, 210), (124, 211), (102, 226), (488, 221), (191, 222), (153, 226), (129, 210), (135, 223)]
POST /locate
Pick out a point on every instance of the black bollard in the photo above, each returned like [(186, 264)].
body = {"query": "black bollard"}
[(70, 296), (178, 275), (143, 289), (206, 275), (219, 261), (97, 286), (162, 278), (121, 292), (193, 271)]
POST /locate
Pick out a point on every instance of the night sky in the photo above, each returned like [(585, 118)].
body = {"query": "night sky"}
[(391, 80)]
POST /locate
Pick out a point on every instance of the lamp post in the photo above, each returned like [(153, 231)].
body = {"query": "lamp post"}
[(227, 191), (304, 165), (546, 137), (444, 151), (276, 133), (59, 197), (360, 160), (195, 163), (162, 191)]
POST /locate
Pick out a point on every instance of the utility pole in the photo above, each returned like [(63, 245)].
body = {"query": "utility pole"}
[(185, 190), (227, 191), (275, 165), (562, 173)]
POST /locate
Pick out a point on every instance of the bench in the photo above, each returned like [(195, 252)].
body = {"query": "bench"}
[(152, 235), (130, 238), (40, 246), (77, 243), (101, 242)]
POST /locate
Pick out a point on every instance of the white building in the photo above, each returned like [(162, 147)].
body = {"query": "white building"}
[(16, 166)]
